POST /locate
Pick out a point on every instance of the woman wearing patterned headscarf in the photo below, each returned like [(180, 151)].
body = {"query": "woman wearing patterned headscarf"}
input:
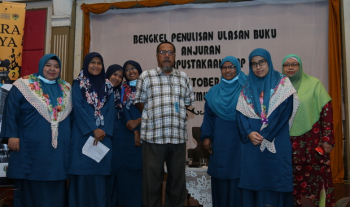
[(311, 130), (219, 134), (265, 111), (127, 155), (93, 101), (115, 75), (36, 122)]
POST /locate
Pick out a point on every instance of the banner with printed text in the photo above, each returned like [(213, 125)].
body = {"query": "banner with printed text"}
[(204, 34), (12, 17)]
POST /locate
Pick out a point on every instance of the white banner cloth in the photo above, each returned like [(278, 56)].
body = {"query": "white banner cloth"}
[(205, 34)]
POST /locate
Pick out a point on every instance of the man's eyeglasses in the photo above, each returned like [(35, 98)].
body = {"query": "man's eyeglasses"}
[(260, 62), (287, 65), (163, 52), (231, 67)]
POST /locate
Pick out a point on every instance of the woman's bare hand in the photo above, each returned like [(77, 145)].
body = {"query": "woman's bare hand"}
[(13, 144), (255, 138)]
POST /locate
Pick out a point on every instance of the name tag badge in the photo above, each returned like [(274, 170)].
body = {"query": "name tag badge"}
[(177, 107)]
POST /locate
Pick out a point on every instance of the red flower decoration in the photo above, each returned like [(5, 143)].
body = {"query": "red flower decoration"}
[(303, 184), (325, 139), (299, 177), (316, 141), (298, 167), (307, 174), (323, 169), (31, 85), (46, 96), (326, 106), (295, 145), (312, 197), (316, 130), (308, 167)]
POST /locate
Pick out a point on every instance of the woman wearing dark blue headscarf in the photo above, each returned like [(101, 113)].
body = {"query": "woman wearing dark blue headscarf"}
[(115, 76), (93, 112), (219, 134), (265, 112), (127, 154), (36, 122)]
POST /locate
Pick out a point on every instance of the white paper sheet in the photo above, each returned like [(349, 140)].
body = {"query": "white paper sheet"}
[(97, 152)]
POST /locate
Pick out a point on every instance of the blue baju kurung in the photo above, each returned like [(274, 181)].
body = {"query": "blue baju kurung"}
[(126, 176), (267, 178), (225, 162), (89, 180), (37, 167)]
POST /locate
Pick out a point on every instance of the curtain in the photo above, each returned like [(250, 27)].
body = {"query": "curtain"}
[(334, 65), (334, 79)]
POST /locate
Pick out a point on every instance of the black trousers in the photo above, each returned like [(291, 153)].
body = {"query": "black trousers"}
[(154, 156)]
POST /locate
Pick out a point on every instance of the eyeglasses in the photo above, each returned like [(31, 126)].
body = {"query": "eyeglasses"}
[(287, 65), (231, 67), (129, 70), (260, 62), (163, 52)]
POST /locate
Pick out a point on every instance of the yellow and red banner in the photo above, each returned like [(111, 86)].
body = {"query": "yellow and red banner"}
[(12, 17)]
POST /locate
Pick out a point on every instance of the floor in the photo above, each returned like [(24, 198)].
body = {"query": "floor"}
[(340, 191)]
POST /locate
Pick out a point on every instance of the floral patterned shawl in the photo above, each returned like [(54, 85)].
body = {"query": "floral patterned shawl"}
[(259, 101), (32, 89), (96, 89), (117, 98)]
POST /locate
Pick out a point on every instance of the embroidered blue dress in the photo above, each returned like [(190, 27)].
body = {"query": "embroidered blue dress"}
[(36, 160), (266, 171), (225, 162), (83, 126), (127, 158)]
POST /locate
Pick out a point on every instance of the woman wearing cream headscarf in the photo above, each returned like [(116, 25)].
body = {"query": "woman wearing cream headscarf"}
[(311, 130)]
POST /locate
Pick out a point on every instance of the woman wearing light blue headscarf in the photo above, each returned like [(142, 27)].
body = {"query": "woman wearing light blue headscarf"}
[(265, 112), (36, 122), (219, 133)]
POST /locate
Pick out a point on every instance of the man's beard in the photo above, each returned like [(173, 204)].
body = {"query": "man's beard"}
[(167, 69)]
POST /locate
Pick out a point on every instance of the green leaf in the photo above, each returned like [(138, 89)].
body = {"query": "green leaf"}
[(322, 198)]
